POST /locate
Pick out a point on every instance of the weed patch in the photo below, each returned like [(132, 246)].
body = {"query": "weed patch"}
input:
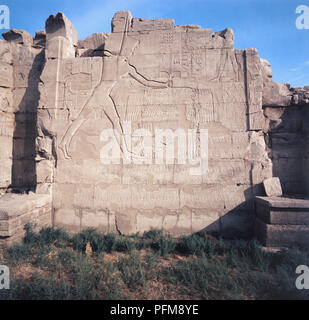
[(52, 265)]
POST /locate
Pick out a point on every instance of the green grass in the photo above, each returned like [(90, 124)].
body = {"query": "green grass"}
[(137, 271), (52, 265)]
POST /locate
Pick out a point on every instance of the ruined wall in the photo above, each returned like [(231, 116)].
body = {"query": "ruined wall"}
[(289, 142), (24, 59), (93, 118), (18, 210), (6, 115), (287, 116), (149, 74)]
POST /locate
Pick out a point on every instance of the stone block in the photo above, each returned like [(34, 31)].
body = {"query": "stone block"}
[(282, 211), (58, 25), (282, 235), (125, 223), (6, 75), (13, 205), (18, 210), (206, 221), (18, 36), (95, 219), (69, 219), (178, 223), (147, 222), (59, 48), (272, 187), (151, 197)]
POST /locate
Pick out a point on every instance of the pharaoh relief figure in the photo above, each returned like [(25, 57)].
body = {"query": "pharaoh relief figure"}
[(119, 46)]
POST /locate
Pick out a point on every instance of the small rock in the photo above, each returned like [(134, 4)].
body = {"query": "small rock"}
[(272, 187), (18, 36)]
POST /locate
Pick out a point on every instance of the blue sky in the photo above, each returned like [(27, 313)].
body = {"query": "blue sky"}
[(268, 25)]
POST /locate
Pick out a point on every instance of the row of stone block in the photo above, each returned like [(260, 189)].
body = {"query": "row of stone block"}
[(282, 222), (18, 210)]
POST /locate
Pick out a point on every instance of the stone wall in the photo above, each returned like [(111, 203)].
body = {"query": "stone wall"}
[(95, 115), (287, 116), (25, 60), (288, 139), (18, 210), (6, 115), (152, 75)]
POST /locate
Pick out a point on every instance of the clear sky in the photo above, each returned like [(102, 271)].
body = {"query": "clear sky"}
[(268, 25)]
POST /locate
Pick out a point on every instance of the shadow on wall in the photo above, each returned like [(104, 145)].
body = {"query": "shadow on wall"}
[(288, 144), (237, 223), (24, 167), (288, 140)]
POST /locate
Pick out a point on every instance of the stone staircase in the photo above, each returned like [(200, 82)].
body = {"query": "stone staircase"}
[(282, 221)]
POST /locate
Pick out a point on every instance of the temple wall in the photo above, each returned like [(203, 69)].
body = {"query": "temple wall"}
[(6, 115), (150, 126), (24, 60), (289, 141), (17, 210), (152, 76), (286, 111)]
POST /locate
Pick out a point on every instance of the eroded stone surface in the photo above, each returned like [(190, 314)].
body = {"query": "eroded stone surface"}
[(282, 235), (18, 36), (282, 221), (58, 96), (18, 210), (157, 76)]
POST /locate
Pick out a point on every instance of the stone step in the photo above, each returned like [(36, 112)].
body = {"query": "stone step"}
[(17, 210), (282, 211), (274, 235)]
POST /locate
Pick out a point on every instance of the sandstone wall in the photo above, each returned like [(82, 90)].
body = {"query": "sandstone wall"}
[(18, 210), (154, 75), (6, 115), (24, 59), (75, 100), (287, 118), (289, 142)]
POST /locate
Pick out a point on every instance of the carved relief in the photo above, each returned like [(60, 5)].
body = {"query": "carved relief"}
[(156, 76), (102, 94)]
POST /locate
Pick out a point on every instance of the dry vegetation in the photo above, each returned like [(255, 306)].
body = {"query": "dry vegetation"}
[(90, 265)]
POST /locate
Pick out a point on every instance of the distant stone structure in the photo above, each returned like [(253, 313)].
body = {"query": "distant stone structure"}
[(64, 103)]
